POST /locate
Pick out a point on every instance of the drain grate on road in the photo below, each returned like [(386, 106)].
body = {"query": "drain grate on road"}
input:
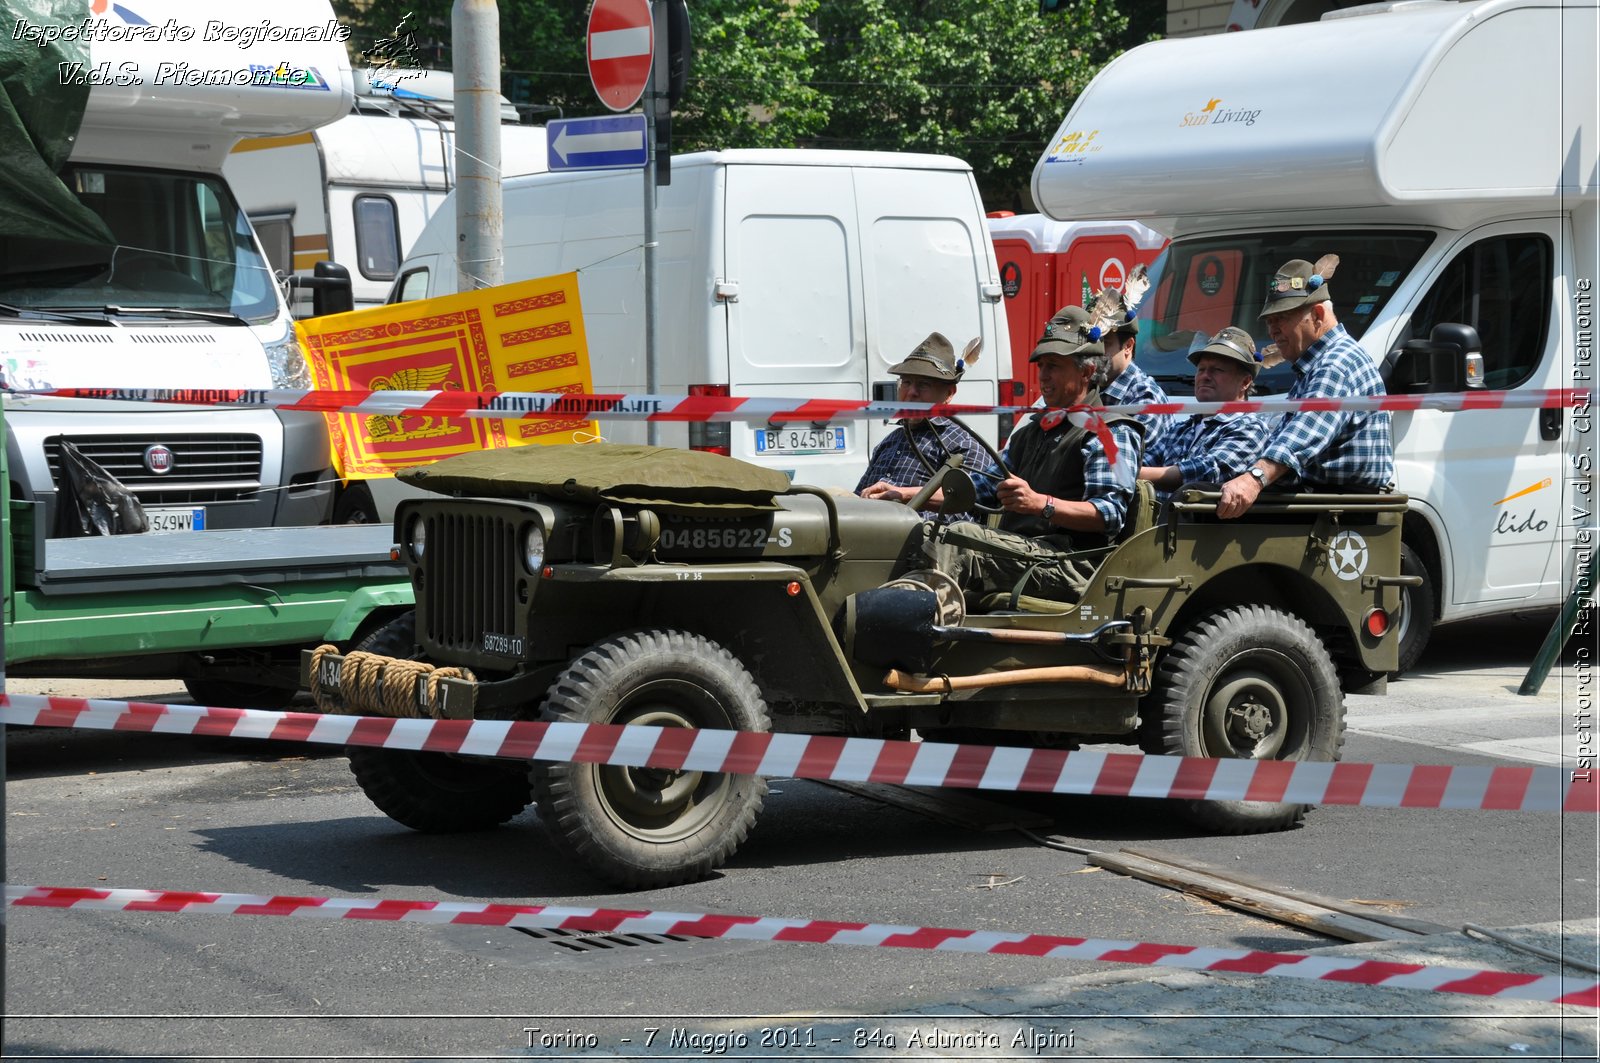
[(580, 941)]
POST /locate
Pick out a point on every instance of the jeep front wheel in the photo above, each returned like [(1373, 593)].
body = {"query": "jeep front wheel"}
[(436, 793), (641, 827), (1253, 683)]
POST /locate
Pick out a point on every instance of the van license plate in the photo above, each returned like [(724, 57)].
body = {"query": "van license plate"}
[(177, 520), (802, 440)]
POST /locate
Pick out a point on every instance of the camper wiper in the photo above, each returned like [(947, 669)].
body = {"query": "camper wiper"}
[(224, 316), (29, 312)]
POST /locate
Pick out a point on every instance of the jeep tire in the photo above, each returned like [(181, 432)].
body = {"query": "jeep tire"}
[(1251, 682), (1416, 610), (647, 827), (436, 793)]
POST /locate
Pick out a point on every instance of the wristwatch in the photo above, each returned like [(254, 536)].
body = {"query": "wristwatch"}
[(1260, 474), (1049, 509)]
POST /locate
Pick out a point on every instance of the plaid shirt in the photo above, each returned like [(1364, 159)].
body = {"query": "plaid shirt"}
[(1132, 387), (1328, 447), (1210, 449), (894, 460)]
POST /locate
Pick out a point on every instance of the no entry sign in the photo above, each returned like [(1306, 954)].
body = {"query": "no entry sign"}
[(621, 41)]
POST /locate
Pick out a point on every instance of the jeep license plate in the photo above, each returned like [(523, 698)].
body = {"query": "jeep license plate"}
[(802, 440), (190, 518)]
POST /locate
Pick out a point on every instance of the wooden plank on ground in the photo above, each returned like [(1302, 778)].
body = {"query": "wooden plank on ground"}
[(948, 806), (1357, 908), (1274, 906)]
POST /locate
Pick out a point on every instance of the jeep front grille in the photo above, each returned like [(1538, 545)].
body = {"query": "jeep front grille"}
[(472, 570), (206, 467)]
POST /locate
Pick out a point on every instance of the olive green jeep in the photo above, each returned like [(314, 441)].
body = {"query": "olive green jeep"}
[(639, 585)]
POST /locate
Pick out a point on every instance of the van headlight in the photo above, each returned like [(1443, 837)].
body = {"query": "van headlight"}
[(417, 536), (533, 547)]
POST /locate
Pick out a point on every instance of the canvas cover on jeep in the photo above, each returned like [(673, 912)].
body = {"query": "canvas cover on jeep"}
[(622, 473)]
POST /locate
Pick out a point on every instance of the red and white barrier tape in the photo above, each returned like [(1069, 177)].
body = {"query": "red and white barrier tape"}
[(1501, 985), (1509, 788), (764, 410)]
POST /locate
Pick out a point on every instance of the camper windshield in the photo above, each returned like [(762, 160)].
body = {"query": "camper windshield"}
[(1201, 285), (172, 240)]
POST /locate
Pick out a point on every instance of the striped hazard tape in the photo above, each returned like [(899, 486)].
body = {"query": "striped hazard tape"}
[(724, 408), (1502, 985), (826, 757)]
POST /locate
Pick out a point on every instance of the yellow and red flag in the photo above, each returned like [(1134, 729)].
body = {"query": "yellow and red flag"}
[(526, 336)]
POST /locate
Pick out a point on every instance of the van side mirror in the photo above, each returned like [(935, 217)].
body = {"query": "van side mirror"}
[(330, 289), (1450, 359)]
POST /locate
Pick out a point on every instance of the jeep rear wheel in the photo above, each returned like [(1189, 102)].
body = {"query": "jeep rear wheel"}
[(435, 793), (1253, 683), (646, 827)]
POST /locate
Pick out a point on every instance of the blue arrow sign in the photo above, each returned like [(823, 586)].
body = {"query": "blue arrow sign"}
[(615, 142)]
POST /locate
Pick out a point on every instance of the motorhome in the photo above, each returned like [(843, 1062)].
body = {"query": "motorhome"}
[(1453, 196), (795, 274), (126, 261), (358, 191)]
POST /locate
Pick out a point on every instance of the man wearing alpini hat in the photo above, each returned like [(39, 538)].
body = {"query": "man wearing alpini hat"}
[(1211, 448), (902, 462), (1326, 450), (1066, 490)]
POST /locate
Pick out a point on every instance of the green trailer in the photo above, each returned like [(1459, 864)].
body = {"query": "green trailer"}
[(226, 612)]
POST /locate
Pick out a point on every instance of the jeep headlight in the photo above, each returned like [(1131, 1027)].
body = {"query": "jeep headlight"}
[(533, 547), (417, 536)]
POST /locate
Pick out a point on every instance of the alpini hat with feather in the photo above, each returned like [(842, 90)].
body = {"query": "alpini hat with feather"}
[(1299, 283), (935, 357), (1069, 332)]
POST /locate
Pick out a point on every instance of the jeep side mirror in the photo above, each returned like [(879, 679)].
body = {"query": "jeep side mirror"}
[(1450, 359), (330, 289)]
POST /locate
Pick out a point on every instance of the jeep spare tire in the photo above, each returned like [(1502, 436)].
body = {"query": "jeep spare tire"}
[(1249, 682), (643, 827)]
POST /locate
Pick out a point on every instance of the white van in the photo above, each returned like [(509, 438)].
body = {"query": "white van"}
[(1452, 191), (790, 273), (359, 191), (144, 272)]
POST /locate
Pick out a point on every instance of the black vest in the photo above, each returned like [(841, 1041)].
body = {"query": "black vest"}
[(1052, 463)]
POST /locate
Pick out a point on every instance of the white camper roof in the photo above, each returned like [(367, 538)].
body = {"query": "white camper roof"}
[(381, 149), (205, 93), (1426, 108)]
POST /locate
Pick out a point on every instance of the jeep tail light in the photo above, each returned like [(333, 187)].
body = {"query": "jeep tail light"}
[(1011, 392), (715, 438), (1377, 623)]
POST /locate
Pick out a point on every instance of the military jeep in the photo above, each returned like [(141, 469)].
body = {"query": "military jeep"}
[(639, 585)]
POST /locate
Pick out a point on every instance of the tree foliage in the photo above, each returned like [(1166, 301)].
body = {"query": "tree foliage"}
[(985, 80)]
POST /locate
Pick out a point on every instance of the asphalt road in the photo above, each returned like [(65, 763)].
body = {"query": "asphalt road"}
[(95, 809)]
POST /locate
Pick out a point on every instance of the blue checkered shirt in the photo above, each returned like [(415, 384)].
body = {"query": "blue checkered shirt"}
[(1209, 449), (1133, 387), (1326, 447), (895, 461)]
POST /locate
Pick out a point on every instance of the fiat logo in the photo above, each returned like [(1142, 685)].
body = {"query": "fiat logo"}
[(159, 459)]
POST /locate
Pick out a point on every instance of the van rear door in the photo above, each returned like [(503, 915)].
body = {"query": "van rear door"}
[(792, 283), (929, 267)]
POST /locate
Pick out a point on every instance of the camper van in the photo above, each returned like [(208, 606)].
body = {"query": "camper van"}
[(795, 274), (358, 191), (1461, 202), (132, 265)]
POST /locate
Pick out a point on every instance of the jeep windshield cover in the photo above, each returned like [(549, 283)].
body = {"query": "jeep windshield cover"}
[(174, 242), (1198, 286)]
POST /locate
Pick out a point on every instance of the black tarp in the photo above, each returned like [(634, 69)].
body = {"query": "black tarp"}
[(40, 111)]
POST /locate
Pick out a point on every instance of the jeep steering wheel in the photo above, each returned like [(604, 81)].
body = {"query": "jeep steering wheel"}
[(921, 497)]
